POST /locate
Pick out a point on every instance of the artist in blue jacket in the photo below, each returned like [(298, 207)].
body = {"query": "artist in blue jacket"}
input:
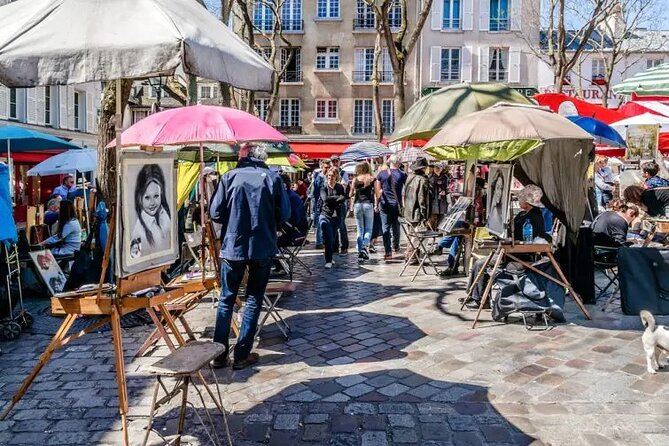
[(250, 203)]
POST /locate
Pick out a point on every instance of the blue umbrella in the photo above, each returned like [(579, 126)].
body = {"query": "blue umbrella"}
[(18, 139), (8, 228), (603, 133)]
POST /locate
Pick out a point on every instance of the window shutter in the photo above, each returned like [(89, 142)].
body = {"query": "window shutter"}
[(62, 106), (435, 64), (437, 14), (484, 15), (360, 59), (484, 56), (70, 109), (468, 15), (31, 104), (91, 115), (466, 74), (386, 65), (514, 65), (516, 12), (39, 105), (4, 102)]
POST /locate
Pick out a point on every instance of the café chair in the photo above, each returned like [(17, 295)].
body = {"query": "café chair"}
[(606, 262)]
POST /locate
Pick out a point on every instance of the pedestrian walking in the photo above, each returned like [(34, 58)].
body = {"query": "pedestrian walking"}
[(317, 184), (250, 203), (417, 197), (364, 202), (331, 199), (438, 194), (389, 187), (342, 230)]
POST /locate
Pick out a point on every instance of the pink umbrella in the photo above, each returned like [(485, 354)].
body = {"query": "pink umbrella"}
[(198, 124)]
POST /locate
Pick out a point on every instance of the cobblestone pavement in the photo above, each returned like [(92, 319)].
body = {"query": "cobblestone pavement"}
[(372, 360)]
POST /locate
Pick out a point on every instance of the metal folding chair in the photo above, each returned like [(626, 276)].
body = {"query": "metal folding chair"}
[(274, 292), (606, 261), (288, 255), (421, 244)]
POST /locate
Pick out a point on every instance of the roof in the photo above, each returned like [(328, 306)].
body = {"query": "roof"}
[(639, 40)]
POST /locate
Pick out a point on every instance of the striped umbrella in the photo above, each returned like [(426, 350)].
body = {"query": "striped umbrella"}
[(364, 150), (412, 154), (654, 81)]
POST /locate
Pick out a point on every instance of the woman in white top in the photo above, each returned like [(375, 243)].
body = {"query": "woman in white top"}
[(152, 230)]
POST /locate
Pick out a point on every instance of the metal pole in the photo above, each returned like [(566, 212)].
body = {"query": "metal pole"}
[(11, 169), (83, 187), (203, 201), (118, 127)]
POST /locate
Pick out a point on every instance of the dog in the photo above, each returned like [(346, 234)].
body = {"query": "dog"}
[(655, 340)]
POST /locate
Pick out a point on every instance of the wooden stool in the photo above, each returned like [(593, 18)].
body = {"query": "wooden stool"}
[(182, 364)]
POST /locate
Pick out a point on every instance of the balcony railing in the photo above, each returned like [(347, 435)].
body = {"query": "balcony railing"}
[(363, 129), (366, 76), (368, 23), (290, 129), (497, 75), (286, 25), (292, 76), (451, 75), (449, 23), (499, 24), (598, 79)]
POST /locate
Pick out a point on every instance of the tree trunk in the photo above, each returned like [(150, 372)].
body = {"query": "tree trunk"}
[(192, 89), (106, 173), (400, 98), (378, 117)]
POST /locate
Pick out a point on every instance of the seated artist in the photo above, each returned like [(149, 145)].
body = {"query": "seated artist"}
[(651, 180), (610, 228), (51, 214), (655, 201), (452, 244), (529, 199), (295, 229)]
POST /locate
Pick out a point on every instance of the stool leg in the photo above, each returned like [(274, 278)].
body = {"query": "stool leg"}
[(153, 411), (182, 412)]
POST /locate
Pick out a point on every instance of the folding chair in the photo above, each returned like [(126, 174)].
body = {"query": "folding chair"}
[(606, 261), (417, 241), (288, 255), (274, 292)]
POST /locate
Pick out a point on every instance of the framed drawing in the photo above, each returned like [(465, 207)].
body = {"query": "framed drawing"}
[(49, 270), (148, 217), (497, 204)]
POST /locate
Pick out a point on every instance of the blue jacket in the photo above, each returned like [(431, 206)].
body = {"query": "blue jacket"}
[(250, 202)]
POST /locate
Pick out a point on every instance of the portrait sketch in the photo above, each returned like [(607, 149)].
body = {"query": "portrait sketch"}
[(49, 270), (497, 205), (148, 211)]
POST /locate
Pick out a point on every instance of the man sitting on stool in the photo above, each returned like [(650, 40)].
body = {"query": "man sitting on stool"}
[(610, 227)]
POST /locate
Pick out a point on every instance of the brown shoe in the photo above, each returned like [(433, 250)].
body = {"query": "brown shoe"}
[(251, 359)]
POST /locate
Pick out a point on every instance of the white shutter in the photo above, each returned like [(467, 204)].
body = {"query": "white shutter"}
[(4, 102), (468, 15), (90, 112), (514, 65), (484, 15), (516, 12), (70, 108), (437, 15), (62, 106), (31, 116), (435, 64), (466, 68), (40, 105), (484, 57), (359, 60), (386, 65)]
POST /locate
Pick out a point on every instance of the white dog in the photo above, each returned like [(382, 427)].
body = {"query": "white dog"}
[(655, 339)]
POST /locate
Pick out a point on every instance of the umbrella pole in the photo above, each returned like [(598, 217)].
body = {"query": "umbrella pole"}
[(203, 200), (83, 186), (11, 169)]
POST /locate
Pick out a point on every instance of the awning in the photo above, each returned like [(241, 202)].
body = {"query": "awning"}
[(318, 150), (634, 108), (584, 108), (32, 157)]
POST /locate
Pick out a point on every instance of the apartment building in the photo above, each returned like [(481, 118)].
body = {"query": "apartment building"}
[(479, 41), (325, 98)]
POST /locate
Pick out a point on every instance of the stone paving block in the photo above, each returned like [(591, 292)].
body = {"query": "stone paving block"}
[(344, 440), (402, 436), (345, 423), (317, 418), (374, 438), (358, 390), (360, 409), (393, 389), (287, 422), (401, 420)]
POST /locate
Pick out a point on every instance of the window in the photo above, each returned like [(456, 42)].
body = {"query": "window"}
[(498, 64), (451, 18), (138, 115), (291, 15), (263, 17), (77, 109), (151, 92), (363, 116), (364, 64), (388, 115), (291, 60), (450, 64), (328, 9), (327, 58), (364, 16), (262, 108), (265, 52), (290, 113), (206, 92), (652, 63), (47, 105), (13, 104), (499, 15), (326, 110), (395, 14), (598, 70)]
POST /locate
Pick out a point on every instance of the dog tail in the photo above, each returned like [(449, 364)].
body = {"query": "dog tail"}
[(647, 320)]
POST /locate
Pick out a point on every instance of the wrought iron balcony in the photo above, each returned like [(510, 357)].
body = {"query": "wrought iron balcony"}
[(291, 76), (290, 129), (292, 25), (286, 25), (366, 76), (364, 23), (499, 24)]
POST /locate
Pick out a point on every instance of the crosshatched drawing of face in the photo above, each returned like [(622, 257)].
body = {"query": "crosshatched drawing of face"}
[(151, 199)]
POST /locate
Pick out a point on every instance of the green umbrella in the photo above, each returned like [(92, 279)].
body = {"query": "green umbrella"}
[(652, 82), (427, 116)]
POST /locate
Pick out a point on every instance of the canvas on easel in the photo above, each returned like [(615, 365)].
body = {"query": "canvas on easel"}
[(497, 204), (455, 213)]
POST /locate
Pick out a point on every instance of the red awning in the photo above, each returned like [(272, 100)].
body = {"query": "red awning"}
[(32, 157), (318, 150), (584, 108)]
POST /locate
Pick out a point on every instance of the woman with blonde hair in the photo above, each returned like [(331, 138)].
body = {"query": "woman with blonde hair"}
[(363, 198)]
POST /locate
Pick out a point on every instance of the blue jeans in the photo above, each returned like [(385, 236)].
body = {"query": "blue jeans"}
[(329, 226), (364, 219), (232, 273), (390, 224), (452, 242), (341, 229), (316, 213)]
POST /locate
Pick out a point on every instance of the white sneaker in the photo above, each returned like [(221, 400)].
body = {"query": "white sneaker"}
[(329, 265)]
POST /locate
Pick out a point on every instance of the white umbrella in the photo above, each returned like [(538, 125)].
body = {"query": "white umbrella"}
[(644, 119), (56, 42), (79, 160)]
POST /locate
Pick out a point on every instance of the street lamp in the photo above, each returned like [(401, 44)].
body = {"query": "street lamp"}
[(157, 84)]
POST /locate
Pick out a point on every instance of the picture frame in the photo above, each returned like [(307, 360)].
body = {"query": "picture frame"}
[(49, 271), (147, 219), (497, 200)]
